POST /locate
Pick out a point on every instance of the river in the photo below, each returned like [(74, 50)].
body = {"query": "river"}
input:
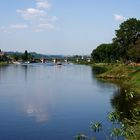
[(47, 102)]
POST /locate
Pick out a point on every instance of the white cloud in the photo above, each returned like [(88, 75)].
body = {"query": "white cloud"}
[(31, 13), (119, 17), (36, 17), (38, 30), (46, 26), (3, 29), (9, 28), (37, 12), (43, 4), (43, 27), (54, 18), (18, 26)]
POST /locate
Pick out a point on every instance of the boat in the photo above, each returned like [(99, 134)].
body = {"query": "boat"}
[(59, 63)]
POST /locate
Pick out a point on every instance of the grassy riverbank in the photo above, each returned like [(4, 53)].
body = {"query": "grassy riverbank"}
[(128, 75), (3, 63), (126, 104)]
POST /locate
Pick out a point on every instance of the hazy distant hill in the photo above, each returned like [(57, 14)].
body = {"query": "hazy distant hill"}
[(36, 55)]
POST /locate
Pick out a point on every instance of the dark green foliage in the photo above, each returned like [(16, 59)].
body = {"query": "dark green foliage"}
[(125, 46), (16, 56), (113, 117), (133, 51), (127, 35), (3, 58), (105, 53), (81, 137), (26, 56), (96, 126), (125, 122), (128, 32)]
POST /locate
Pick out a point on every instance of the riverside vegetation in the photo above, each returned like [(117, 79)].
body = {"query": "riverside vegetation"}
[(125, 117), (120, 59), (119, 62)]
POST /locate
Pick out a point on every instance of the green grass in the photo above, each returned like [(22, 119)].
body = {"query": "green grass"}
[(3, 63), (128, 75)]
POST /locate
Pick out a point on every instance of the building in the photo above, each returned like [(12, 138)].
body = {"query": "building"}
[(1, 53)]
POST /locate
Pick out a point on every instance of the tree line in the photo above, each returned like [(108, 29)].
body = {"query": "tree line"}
[(4, 57), (125, 46)]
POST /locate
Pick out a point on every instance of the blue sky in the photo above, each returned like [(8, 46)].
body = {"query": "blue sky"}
[(61, 26)]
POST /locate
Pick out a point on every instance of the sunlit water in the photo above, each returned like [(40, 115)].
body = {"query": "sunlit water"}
[(47, 102)]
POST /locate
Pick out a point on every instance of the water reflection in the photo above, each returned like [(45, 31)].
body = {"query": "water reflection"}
[(38, 113), (38, 102), (123, 103), (50, 102), (25, 68), (101, 82), (126, 105), (3, 70), (98, 70), (120, 101)]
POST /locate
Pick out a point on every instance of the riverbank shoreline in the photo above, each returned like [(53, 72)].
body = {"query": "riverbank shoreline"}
[(127, 75), (3, 63)]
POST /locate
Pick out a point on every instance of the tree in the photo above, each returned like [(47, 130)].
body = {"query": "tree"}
[(16, 56), (125, 46), (103, 53), (133, 52), (127, 34), (25, 56)]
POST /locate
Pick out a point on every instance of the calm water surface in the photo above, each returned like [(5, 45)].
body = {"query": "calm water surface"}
[(46, 102)]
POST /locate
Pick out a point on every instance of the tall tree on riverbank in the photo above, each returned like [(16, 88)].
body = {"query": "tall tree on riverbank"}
[(103, 53), (25, 56), (125, 46), (127, 34)]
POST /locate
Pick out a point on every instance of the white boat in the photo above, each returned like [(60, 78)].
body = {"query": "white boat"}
[(27, 62)]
